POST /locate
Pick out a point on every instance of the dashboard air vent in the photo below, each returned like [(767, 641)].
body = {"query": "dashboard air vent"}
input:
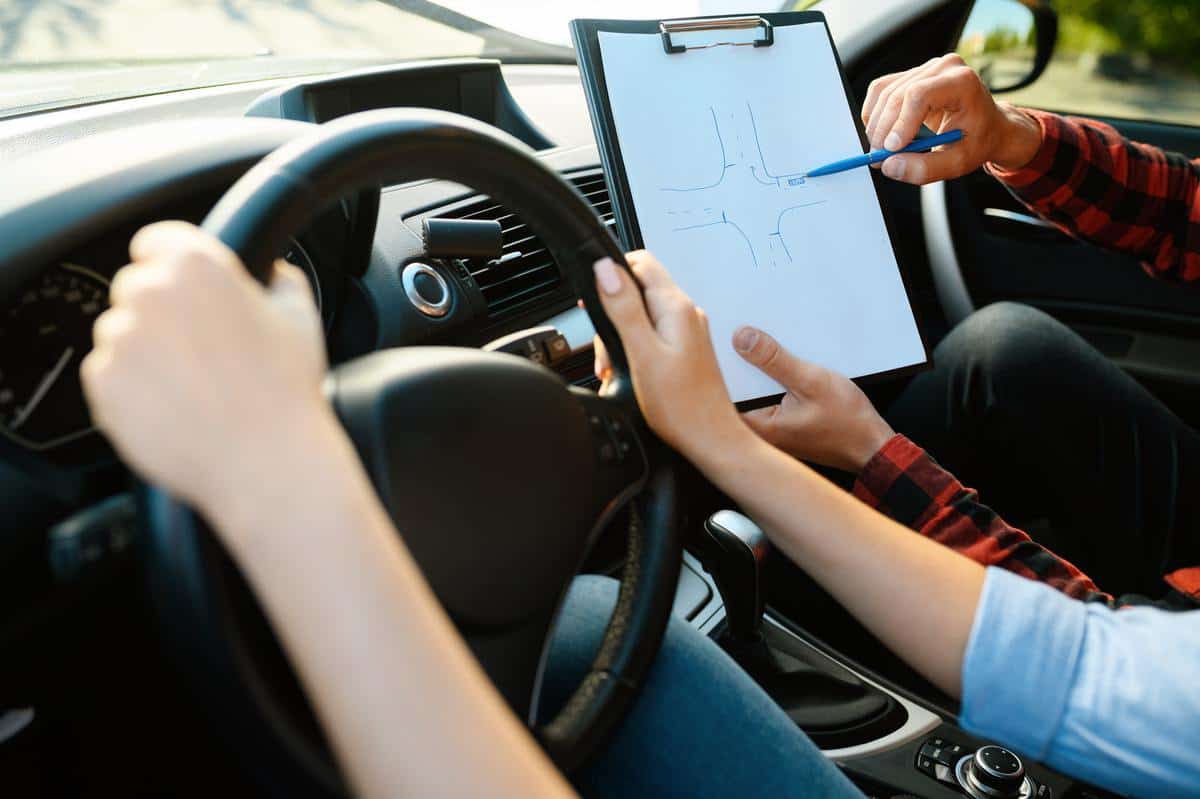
[(525, 273)]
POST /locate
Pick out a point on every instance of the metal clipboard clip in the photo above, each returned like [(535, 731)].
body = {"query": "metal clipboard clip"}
[(670, 27)]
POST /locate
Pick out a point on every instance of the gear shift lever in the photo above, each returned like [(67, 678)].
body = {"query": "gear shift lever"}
[(736, 566), (826, 700)]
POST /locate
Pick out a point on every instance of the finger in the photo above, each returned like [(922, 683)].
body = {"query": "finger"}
[(289, 281), (623, 304), (922, 99), (886, 90), (603, 363), (944, 163), (92, 371), (887, 106), (173, 238), (874, 136), (111, 326), (662, 295), (763, 351), (877, 88), (129, 280), (651, 274)]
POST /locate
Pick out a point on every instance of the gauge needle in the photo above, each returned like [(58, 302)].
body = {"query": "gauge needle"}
[(42, 389)]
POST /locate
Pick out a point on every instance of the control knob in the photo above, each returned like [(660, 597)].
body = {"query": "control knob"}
[(993, 772)]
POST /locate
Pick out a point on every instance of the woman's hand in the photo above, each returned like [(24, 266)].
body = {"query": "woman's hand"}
[(674, 369), (823, 418), (945, 94), (204, 381)]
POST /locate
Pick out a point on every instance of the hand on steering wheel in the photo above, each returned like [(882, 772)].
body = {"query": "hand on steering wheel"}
[(238, 384), (207, 384)]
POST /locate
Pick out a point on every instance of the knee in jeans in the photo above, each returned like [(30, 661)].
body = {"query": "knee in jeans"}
[(1008, 340)]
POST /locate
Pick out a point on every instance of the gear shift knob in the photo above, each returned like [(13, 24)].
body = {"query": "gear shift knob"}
[(736, 562)]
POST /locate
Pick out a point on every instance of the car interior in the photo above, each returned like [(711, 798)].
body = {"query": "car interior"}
[(136, 661)]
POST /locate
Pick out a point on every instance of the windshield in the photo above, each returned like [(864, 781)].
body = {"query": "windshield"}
[(55, 53)]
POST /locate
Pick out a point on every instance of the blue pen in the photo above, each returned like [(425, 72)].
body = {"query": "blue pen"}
[(917, 146)]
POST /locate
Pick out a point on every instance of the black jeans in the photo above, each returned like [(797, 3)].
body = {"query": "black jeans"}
[(1061, 442)]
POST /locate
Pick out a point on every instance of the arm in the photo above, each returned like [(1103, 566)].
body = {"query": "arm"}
[(1081, 175), (1107, 695), (1125, 196), (1065, 681), (827, 419), (881, 572), (261, 455), (904, 482)]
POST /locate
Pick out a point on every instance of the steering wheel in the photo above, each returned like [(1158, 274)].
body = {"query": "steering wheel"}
[(498, 475)]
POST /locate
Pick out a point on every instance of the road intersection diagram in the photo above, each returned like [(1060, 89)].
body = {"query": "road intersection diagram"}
[(741, 169)]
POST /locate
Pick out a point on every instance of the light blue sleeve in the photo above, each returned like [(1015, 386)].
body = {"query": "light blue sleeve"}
[(1111, 697)]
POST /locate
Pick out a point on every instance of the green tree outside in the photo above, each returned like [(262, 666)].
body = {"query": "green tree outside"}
[(1166, 30)]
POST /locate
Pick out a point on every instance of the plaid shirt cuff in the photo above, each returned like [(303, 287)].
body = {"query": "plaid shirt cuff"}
[(1052, 133), (902, 481)]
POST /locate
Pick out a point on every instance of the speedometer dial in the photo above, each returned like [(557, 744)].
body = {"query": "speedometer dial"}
[(45, 331)]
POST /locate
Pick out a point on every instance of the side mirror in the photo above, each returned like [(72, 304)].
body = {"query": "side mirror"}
[(1009, 42)]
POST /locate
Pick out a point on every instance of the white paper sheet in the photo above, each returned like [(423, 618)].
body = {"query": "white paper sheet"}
[(713, 143)]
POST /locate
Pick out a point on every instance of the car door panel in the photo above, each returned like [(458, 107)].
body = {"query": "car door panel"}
[(1150, 327)]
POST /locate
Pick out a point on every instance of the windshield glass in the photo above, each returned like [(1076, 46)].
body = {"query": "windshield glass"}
[(61, 52)]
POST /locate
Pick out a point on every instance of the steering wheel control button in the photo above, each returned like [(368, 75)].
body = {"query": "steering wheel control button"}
[(427, 290), (613, 436), (994, 772)]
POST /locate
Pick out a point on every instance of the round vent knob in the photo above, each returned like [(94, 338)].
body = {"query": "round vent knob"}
[(427, 290)]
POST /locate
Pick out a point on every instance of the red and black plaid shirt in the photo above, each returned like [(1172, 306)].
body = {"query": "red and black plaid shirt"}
[(1097, 186)]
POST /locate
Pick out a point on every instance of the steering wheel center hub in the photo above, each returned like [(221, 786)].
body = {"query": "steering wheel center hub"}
[(485, 463)]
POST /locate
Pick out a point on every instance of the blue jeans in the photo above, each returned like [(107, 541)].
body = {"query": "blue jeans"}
[(700, 728)]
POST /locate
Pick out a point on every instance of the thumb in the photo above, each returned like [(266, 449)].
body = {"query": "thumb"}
[(944, 163), (763, 351), (761, 420)]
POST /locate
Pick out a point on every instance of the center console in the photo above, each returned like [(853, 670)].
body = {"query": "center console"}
[(887, 740)]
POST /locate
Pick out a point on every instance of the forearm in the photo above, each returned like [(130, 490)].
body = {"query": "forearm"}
[(903, 482), (407, 708), (881, 572), (1122, 195)]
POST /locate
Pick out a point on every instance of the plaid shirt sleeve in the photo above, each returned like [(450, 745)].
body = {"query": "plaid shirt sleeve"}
[(905, 483), (1097, 186)]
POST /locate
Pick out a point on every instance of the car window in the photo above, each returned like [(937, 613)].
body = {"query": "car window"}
[(1128, 59)]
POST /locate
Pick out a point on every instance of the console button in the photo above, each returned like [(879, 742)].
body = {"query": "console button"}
[(432, 290), (426, 289), (994, 773)]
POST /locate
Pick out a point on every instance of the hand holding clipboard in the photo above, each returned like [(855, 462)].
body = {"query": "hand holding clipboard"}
[(708, 132)]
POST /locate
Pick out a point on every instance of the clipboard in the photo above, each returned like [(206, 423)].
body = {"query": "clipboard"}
[(680, 39)]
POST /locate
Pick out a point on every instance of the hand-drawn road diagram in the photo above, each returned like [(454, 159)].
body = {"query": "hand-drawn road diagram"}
[(744, 173)]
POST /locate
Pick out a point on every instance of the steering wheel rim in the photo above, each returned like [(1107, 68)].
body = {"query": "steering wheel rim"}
[(190, 576)]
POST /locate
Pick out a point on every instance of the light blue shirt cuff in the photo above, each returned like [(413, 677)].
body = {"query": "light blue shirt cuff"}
[(1020, 662)]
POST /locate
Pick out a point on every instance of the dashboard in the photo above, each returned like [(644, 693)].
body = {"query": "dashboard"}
[(46, 326), (68, 227)]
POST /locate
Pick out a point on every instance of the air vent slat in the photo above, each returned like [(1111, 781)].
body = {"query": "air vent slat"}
[(513, 284), (547, 268)]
